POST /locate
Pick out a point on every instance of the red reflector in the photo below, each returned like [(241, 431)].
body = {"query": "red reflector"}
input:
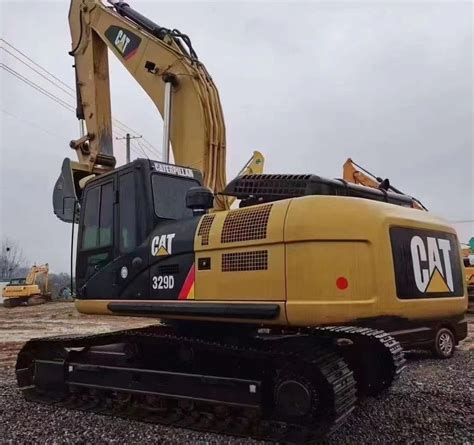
[(342, 283)]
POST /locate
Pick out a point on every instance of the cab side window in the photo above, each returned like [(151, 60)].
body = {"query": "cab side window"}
[(98, 217)]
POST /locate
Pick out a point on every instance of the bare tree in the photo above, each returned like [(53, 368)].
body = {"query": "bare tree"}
[(11, 258)]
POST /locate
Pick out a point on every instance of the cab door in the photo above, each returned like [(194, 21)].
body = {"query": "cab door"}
[(96, 235), (131, 246), (112, 253)]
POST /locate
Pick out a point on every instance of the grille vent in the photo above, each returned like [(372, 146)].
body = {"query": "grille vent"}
[(168, 269), (246, 224), (268, 185), (205, 228), (245, 261)]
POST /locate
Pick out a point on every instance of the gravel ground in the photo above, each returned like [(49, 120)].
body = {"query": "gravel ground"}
[(430, 403)]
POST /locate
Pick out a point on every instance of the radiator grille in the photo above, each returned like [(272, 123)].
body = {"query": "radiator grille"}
[(168, 269), (245, 261), (246, 224), (205, 228)]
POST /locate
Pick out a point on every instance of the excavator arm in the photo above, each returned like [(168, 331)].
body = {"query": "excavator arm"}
[(153, 55), (254, 166), (356, 174), (35, 271)]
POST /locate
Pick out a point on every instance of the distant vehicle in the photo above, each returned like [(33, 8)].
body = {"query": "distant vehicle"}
[(65, 294), (3, 284), (28, 291), (468, 258)]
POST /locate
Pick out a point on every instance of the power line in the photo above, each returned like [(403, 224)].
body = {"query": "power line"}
[(124, 126), (27, 122), (128, 138), (121, 140), (39, 73), (37, 87), (142, 149), (147, 143), (36, 64)]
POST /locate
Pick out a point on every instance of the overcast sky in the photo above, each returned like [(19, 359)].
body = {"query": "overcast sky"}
[(389, 84)]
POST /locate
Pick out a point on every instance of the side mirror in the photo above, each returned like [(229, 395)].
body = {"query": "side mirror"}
[(199, 200)]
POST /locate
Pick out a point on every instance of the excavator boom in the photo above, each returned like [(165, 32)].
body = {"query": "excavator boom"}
[(154, 56)]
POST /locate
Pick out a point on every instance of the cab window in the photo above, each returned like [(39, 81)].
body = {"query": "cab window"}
[(169, 196), (98, 217)]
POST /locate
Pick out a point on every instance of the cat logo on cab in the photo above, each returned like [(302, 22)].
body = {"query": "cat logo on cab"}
[(162, 245), (427, 263)]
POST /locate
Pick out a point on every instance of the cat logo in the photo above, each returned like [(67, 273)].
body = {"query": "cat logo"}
[(427, 263), (431, 273), (161, 245), (123, 40)]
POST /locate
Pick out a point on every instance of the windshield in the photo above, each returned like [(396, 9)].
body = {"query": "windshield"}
[(17, 281), (169, 196)]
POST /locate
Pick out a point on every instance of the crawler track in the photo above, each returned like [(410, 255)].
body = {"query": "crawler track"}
[(34, 300), (306, 362)]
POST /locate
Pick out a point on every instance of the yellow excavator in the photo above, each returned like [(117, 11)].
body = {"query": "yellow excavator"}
[(28, 291), (468, 258), (271, 318), (356, 174)]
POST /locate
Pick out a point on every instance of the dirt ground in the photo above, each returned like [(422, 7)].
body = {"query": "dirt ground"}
[(18, 325)]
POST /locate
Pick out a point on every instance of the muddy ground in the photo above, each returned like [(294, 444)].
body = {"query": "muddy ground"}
[(430, 403), (18, 325)]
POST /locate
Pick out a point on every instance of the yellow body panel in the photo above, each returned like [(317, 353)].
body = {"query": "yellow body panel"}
[(313, 269), (257, 285), (470, 275), (327, 260), (331, 237), (21, 291)]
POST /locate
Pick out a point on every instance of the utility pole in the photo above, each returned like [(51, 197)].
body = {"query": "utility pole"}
[(127, 139)]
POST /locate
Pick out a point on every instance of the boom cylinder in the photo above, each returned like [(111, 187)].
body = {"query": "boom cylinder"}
[(124, 10)]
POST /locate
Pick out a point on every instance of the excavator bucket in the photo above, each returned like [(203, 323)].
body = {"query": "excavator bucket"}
[(67, 193)]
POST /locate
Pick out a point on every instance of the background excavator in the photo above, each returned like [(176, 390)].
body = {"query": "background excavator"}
[(356, 174), (468, 258), (31, 290), (272, 317)]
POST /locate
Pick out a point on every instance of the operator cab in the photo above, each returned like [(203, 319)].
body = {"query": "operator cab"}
[(134, 226), (17, 282)]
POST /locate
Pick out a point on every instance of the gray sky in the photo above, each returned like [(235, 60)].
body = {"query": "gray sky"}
[(309, 84)]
